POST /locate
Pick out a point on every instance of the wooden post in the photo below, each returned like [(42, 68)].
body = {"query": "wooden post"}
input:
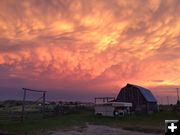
[(103, 100), (23, 106)]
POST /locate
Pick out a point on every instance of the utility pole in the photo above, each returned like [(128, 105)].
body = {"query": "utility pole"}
[(23, 105), (168, 100), (177, 93), (44, 103), (161, 100)]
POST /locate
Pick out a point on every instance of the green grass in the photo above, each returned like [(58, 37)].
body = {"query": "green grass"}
[(37, 125)]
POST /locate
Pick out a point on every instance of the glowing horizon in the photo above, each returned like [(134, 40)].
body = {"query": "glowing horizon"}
[(90, 46)]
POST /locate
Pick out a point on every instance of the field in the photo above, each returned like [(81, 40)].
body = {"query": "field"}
[(35, 124)]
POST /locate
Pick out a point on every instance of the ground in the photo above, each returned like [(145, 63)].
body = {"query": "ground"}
[(99, 130), (36, 125)]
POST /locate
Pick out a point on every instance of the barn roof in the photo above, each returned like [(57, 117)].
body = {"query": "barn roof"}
[(146, 93)]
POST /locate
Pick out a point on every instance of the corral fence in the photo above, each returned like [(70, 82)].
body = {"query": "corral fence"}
[(9, 115), (35, 111)]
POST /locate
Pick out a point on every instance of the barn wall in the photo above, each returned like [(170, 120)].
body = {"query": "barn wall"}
[(152, 107), (133, 95)]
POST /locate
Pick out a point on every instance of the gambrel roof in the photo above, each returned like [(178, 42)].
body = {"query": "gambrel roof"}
[(146, 93)]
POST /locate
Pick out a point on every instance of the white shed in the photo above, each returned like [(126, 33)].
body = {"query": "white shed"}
[(112, 108)]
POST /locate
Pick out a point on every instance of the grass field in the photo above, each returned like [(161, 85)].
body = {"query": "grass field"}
[(35, 124)]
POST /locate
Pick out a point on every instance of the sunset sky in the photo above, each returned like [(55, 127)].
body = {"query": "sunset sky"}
[(78, 49)]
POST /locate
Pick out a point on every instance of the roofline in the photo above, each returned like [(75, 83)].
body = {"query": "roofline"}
[(138, 86), (143, 89)]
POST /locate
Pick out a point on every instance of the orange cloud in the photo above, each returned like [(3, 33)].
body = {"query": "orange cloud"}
[(90, 44)]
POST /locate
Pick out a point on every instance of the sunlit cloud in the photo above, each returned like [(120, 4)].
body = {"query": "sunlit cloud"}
[(90, 45)]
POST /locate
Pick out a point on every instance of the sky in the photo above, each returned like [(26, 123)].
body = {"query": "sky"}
[(79, 49)]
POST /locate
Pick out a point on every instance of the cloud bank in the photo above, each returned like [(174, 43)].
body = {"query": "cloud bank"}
[(96, 45)]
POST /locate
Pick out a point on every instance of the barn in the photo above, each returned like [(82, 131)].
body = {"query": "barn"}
[(141, 98)]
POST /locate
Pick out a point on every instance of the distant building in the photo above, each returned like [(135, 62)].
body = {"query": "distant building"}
[(141, 98)]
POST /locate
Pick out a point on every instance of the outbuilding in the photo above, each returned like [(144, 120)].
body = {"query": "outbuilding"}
[(141, 98)]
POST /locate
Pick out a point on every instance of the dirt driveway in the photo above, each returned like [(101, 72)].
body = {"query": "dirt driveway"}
[(99, 130)]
